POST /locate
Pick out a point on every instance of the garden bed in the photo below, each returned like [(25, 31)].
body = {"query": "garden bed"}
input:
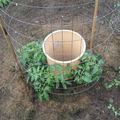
[(19, 103)]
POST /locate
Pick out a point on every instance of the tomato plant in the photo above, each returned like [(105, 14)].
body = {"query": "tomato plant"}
[(90, 68), (44, 78)]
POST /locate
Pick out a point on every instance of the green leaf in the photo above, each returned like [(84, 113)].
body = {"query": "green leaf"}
[(86, 79), (64, 85), (101, 62), (95, 69), (52, 68), (60, 77), (87, 74), (58, 68), (40, 96), (69, 75), (46, 96), (1, 5), (43, 59), (48, 81), (47, 88)]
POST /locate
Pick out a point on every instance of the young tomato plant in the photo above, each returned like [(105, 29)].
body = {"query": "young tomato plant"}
[(41, 80), (44, 78), (31, 54), (41, 76), (61, 74), (90, 69)]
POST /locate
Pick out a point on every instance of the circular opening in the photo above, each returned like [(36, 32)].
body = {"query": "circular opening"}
[(64, 46)]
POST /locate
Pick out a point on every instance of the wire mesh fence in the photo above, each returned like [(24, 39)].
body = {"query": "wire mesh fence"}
[(33, 20)]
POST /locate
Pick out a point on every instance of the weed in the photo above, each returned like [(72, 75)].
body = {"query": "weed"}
[(114, 109), (115, 18), (115, 83)]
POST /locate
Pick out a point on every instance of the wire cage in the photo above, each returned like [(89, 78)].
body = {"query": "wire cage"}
[(27, 21)]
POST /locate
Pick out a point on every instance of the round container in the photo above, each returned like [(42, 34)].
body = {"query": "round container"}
[(64, 47)]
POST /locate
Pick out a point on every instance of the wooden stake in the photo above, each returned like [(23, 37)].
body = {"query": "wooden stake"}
[(94, 24), (10, 45)]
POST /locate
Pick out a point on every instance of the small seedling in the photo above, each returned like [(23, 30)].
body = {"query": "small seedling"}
[(117, 4), (114, 109), (114, 83)]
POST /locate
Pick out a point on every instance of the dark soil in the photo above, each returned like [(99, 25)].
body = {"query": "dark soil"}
[(17, 100)]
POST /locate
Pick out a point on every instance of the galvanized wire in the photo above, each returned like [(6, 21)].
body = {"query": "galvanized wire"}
[(12, 18)]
